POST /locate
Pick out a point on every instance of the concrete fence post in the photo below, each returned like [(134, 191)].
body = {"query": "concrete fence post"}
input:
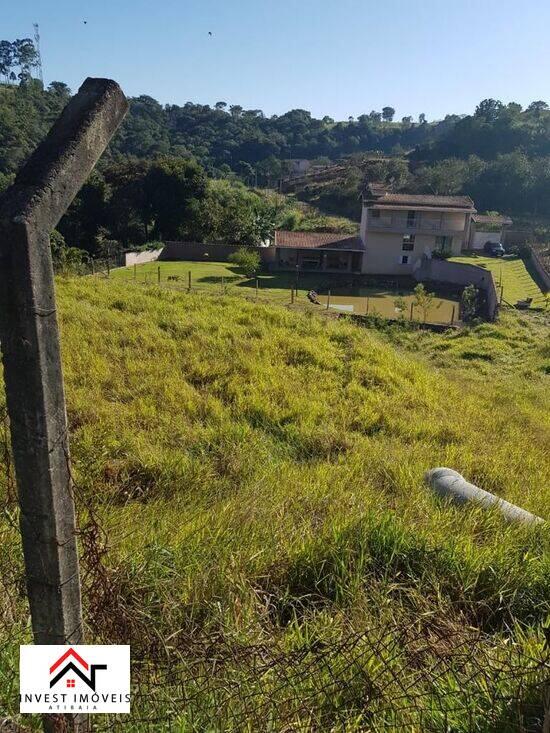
[(29, 336), (451, 485)]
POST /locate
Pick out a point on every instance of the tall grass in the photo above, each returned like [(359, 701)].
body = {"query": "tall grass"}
[(258, 474)]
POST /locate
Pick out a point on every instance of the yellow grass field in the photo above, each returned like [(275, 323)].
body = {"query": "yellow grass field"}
[(268, 545)]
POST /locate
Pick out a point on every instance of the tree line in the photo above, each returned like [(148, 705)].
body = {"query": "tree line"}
[(500, 155), (134, 202)]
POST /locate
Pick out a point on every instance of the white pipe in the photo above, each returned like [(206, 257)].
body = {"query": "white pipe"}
[(449, 484)]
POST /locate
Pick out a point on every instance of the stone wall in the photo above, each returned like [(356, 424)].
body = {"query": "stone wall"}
[(461, 274)]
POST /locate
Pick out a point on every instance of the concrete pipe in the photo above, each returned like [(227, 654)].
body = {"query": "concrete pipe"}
[(449, 484)]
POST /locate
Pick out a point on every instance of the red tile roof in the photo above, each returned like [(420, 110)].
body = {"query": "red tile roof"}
[(317, 240)]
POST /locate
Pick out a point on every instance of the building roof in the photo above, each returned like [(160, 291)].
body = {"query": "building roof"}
[(317, 240), (492, 219), (378, 195), (422, 200)]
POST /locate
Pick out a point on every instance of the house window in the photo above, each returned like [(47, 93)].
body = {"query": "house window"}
[(408, 242), (375, 213), (404, 259), (443, 244), (411, 218)]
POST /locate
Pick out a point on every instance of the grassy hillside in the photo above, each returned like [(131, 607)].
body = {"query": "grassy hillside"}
[(512, 273), (258, 475)]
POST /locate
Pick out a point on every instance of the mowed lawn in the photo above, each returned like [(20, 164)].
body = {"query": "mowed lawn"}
[(215, 276), (223, 277), (512, 274)]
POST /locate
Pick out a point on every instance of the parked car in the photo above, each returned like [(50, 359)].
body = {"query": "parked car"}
[(494, 249)]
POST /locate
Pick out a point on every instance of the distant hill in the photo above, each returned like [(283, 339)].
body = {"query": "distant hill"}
[(500, 155), (219, 137)]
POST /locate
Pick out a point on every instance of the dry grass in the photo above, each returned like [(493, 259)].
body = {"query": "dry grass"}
[(259, 476)]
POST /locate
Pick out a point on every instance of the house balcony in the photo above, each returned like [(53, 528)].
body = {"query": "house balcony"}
[(419, 225)]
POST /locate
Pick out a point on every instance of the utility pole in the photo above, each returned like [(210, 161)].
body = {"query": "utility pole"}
[(31, 355)]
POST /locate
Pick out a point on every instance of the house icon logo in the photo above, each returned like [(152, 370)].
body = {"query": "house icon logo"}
[(72, 662), (74, 678)]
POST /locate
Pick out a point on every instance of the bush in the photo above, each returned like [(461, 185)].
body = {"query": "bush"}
[(247, 260), (66, 260), (469, 303)]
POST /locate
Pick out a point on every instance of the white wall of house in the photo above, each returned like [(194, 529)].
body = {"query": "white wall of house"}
[(385, 254), (383, 237), (478, 238)]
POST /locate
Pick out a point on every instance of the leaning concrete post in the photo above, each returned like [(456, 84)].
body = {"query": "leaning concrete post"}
[(29, 337), (449, 484)]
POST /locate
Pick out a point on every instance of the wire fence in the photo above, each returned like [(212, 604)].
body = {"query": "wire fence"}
[(416, 672), (381, 678), (426, 672), (383, 298)]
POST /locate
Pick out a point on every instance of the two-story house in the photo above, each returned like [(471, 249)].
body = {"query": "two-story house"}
[(398, 229)]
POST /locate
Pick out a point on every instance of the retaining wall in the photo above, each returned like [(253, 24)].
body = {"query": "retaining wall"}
[(461, 274), (540, 269)]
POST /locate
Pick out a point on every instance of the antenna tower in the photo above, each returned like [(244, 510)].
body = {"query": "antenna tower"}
[(37, 48)]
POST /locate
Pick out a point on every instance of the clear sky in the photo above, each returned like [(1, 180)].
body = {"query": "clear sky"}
[(335, 57)]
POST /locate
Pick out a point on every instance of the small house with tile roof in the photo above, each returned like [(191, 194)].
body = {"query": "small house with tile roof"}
[(317, 251)]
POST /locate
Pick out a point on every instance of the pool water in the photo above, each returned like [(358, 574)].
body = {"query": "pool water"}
[(360, 302)]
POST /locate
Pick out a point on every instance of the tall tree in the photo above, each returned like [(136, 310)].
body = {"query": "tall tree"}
[(174, 189)]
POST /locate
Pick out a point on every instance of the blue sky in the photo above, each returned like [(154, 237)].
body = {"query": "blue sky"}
[(335, 57)]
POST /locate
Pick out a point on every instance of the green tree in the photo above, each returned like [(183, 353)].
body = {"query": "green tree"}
[(444, 177), (537, 107), (66, 260), (469, 303), (5, 182), (423, 300), (488, 109), (388, 114), (400, 306), (174, 189), (247, 260)]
